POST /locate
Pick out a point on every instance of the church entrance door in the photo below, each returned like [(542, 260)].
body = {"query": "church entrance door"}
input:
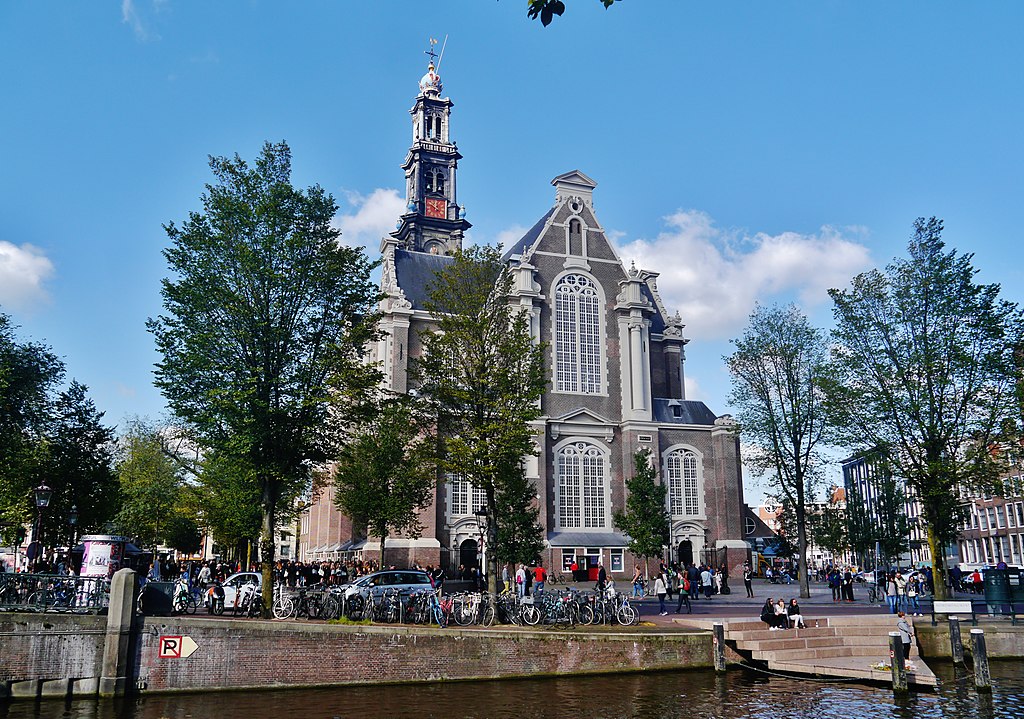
[(685, 552)]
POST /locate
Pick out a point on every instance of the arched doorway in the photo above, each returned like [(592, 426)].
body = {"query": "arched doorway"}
[(685, 553), (468, 556)]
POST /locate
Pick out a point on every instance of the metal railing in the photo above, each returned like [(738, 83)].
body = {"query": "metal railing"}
[(53, 593)]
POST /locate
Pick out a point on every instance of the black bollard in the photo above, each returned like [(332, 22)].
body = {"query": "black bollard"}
[(956, 644), (718, 630), (979, 654), (898, 662)]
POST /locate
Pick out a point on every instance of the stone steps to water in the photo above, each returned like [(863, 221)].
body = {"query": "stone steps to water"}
[(844, 646)]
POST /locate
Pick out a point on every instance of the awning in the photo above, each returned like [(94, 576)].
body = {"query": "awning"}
[(587, 539)]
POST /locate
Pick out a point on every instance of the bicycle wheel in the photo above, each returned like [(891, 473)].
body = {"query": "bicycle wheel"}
[(487, 617), (355, 606), (463, 612), (39, 600), (531, 615), (180, 605), (627, 615), (586, 614), (192, 605), (282, 607)]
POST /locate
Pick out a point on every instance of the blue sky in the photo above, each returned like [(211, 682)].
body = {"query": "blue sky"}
[(748, 151)]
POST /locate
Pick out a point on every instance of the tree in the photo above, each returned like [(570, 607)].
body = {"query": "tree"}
[(266, 324), (78, 466), (928, 374), (828, 527), (387, 473), (777, 373), (150, 485), (29, 372), (547, 9), (484, 376), (226, 497), (645, 517), (519, 538)]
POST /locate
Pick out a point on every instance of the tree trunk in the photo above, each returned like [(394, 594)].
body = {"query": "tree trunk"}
[(383, 539), (267, 549), (492, 545), (939, 574), (801, 535)]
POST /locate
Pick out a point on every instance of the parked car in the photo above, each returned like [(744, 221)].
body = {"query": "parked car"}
[(404, 580), (233, 584)]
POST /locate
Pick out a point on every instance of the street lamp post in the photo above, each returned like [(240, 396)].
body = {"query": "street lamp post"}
[(483, 525), (73, 521), (42, 495)]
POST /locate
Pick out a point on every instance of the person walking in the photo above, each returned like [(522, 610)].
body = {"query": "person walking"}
[(661, 590), (706, 582), (892, 594), (539, 577), (638, 583), (748, 578), (684, 593)]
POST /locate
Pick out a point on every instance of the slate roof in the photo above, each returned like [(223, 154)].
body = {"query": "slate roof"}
[(587, 539), (415, 271), (691, 411), (527, 240)]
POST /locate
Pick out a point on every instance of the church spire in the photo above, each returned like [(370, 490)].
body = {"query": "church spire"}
[(433, 221)]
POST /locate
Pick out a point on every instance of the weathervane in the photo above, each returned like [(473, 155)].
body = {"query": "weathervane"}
[(432, 54)]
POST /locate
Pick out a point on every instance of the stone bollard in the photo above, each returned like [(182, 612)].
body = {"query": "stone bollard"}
[(116, 667), (718, 630), (898, 662), (982, 677), (956, 644)]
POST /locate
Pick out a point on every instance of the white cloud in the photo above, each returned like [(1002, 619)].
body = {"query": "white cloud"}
[(510, 235), (131, 16), (23, 270), (372, 217), (714, 277)]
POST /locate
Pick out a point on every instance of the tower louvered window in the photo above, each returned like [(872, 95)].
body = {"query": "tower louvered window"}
[(577, 335), (582, 484)]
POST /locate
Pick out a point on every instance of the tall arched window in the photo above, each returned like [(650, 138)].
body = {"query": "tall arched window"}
[(465, 498), (577, 335), (581, 468), (683, 470)]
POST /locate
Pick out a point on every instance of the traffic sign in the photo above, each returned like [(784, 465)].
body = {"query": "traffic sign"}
[(176, 646)]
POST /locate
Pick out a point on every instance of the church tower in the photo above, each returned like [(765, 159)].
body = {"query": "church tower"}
[(433, 222)]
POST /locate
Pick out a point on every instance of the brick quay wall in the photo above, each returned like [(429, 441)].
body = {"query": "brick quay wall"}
[(63, 655)]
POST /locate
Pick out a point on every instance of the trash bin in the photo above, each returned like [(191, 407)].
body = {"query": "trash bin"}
[(157, 599), (1016, 578), (998, 595)]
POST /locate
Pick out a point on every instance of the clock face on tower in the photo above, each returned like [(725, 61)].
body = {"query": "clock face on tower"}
[(436, 207)]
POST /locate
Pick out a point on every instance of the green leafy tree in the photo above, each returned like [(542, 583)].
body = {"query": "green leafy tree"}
[(484, 376), (519, 538), (828, 527), (267, 320), (29, 373), (645, 517), (546, 10), (150, 485), (928, 375), (226, 498), (777, 371), (387, 472), (77, 461)]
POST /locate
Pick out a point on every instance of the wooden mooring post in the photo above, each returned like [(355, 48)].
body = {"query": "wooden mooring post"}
[(979, 654), (956, 644), (898, 662), (718, 640)]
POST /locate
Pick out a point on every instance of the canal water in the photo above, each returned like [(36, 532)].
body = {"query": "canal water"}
[(668, 695)]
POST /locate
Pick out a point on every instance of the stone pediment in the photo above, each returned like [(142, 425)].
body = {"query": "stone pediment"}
[(582, 422), (574, 177)]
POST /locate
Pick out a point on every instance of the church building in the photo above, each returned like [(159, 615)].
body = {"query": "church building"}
[(616, 357)]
